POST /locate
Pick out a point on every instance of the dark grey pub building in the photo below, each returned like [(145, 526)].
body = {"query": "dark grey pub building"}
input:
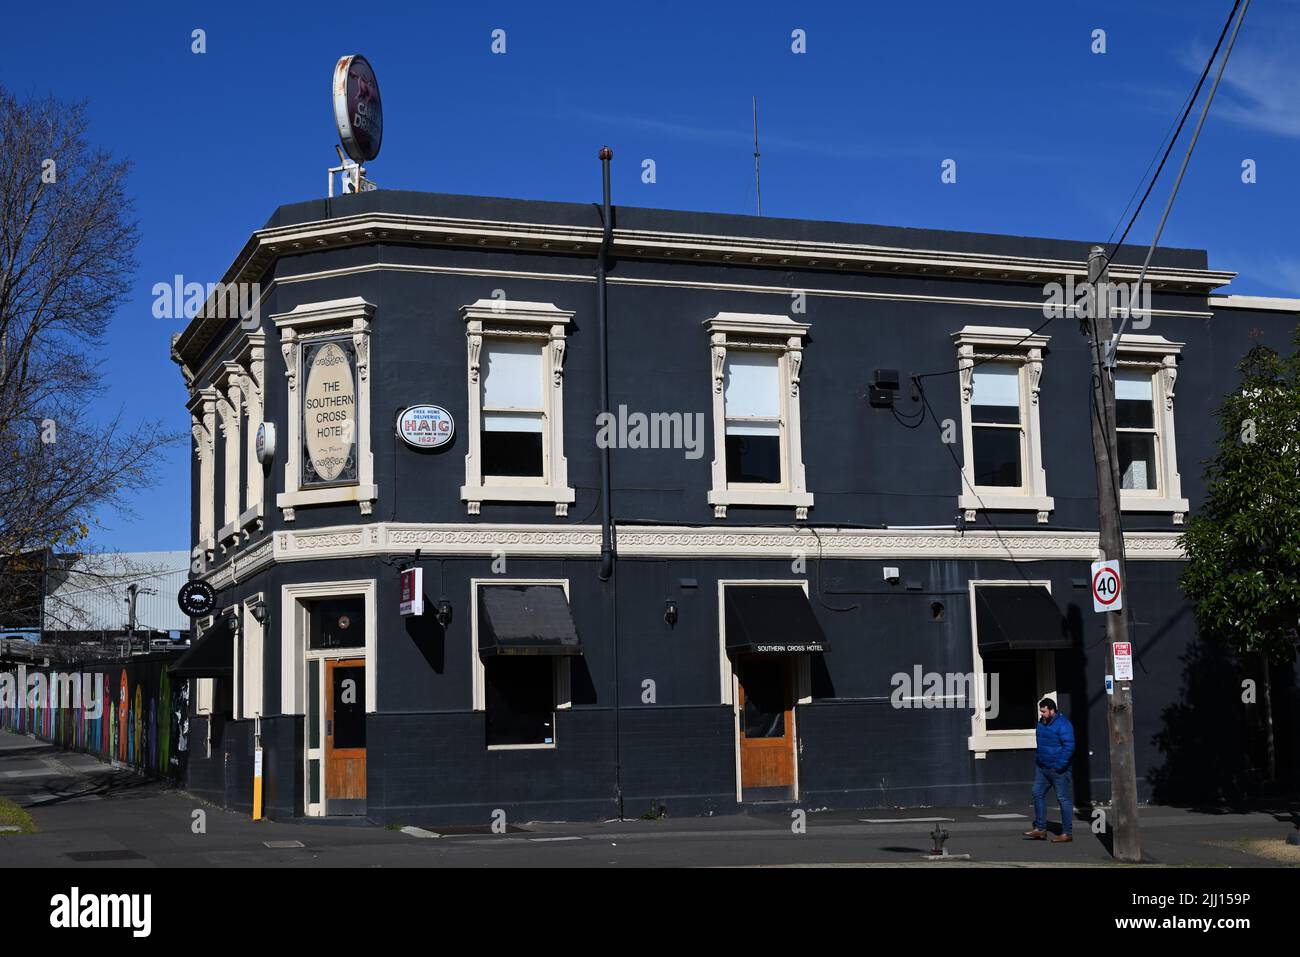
[(811, 598)]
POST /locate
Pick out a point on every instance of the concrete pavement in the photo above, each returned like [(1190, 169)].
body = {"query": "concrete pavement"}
[(93, 815)]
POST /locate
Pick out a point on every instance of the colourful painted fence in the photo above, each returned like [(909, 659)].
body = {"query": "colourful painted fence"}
[(129, 711)]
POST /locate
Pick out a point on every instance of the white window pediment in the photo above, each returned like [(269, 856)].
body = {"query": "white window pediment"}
[(1000, 372), (757, 360), (1146, 371), (345, 322), (515, 380)]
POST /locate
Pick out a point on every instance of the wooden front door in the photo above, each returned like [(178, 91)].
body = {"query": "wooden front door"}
[(766, 727), (345, 736)]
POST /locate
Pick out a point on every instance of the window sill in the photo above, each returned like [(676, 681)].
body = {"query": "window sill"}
[(363, 495), (521, 747), (780, 498), (1001, 501), (475, 495), (981, 744), (1128, 502)]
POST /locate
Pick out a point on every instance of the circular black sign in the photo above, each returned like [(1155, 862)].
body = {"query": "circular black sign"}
[(197, 598)]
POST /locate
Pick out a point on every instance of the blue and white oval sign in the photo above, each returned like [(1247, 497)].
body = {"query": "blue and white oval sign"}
[(425, 426)]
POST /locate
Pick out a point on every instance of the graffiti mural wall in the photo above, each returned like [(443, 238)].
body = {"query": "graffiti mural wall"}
[(128, 711)]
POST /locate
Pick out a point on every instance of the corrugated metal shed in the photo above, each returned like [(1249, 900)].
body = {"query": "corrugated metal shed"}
[(93, 594)]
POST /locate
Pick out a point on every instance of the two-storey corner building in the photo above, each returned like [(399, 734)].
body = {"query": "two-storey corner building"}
[(813, 597)]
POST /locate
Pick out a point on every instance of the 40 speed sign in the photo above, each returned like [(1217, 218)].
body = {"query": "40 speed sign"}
[(1106, 587)]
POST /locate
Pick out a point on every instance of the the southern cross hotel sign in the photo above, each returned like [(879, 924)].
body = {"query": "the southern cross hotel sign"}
[(329, 413)]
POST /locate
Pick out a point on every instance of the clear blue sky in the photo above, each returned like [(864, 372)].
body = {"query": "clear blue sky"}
[(1050, 139)]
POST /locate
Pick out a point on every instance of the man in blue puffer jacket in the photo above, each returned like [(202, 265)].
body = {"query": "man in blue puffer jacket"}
[(1055, 737)]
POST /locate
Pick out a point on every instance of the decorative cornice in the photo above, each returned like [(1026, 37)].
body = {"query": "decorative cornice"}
[(265, 246)]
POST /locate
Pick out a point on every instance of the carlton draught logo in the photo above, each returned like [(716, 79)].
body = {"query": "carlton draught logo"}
[(358, 110)]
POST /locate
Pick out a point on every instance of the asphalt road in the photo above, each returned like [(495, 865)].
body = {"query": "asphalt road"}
[(93, 815)]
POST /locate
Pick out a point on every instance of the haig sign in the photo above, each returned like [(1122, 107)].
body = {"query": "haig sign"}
[(425, 426)]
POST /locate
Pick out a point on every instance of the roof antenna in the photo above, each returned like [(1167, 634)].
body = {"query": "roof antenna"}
[(758, 185)]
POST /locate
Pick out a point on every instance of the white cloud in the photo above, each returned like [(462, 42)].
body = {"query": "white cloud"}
[(1261, 85)]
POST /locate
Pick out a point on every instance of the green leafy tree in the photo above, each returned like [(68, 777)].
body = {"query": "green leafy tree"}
[(1243, 544)]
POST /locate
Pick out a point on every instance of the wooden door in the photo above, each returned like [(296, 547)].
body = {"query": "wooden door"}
[(766, 727), (345, 736)]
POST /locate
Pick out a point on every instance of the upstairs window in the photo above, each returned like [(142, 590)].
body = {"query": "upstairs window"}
[(757, 440), (1001, 370), (1146, 372), (997, 430), (515, 353), (753, 418), (1135, 426), (514, 413)]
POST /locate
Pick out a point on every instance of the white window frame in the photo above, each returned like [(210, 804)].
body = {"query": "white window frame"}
[(203, 426), (204, 693), (562, 665), (249, 661), (545, 324), (251, 379), (1159, 356), (295, 653), (294, 631), (981, 740), (306, 323), (978, 344), (757, 332)]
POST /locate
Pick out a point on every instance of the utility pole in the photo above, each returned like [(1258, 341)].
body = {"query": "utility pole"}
[(1125, 845), (131, 591)]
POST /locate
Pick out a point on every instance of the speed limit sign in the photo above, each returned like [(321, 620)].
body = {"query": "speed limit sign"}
[(1106, 594)]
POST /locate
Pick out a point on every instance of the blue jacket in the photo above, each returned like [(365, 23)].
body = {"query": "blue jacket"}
[(1055, 744)]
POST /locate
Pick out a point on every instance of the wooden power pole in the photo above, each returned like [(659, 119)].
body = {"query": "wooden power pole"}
[(1123, 824)]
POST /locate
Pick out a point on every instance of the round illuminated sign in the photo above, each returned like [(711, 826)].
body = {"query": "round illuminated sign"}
[(425, 426), (357, 108), (265, 445), (197, 599)]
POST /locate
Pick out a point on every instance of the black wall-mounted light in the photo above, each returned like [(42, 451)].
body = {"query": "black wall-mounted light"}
[(442, 612), (884, 383), (670, 612), (232, 619), (259, 611)]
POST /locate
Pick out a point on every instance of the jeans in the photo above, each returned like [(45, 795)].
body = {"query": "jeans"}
[(1064, 785)]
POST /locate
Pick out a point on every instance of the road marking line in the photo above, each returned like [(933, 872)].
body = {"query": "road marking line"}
[(1004, 817), (414, 831), (540, 839), (904, 820)]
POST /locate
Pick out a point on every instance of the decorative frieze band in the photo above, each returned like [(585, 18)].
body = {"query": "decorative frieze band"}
[(541, 541)]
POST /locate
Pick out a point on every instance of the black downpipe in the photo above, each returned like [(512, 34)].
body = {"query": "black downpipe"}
[(602, 333), (607, 554)]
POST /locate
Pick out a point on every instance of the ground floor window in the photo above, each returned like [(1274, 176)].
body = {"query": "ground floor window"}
[(520, 699), (1018, 685)]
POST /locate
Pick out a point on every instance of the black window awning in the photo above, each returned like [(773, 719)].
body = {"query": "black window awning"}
[(526, 620), (1019, 618), (212, 656), (771, 618)]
